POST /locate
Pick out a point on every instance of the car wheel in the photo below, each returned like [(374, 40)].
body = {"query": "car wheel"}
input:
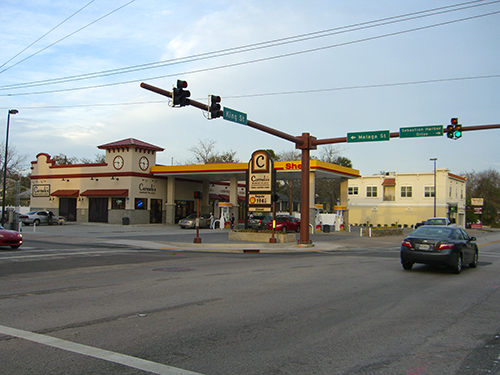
[(15, 247), (456, 268), (475, 261), (407, 265), (284, 229), (298, 228), (36, 222)]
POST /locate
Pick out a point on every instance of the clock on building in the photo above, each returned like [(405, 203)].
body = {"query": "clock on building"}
[(118, 162), (144, 163)]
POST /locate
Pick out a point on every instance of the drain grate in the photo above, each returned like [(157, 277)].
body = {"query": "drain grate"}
[(173, 269)]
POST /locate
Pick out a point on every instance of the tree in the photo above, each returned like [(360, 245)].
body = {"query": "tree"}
[(62, 159), (290, 188), (205, 152), (328, 190), (486, 185), (15, 182)]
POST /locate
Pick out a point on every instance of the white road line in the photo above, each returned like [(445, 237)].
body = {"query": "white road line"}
[(77, 252), (106, 355)]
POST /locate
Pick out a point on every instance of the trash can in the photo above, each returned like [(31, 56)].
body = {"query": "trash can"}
[(326, 229), (125, 220)]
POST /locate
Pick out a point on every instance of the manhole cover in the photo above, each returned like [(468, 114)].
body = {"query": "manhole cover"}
[(173, 269)]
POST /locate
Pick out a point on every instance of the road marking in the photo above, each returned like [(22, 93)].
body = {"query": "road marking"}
[(488, 243), (106, 355)]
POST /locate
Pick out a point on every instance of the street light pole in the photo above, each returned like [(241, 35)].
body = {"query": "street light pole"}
[(11, 112), (434, 160)]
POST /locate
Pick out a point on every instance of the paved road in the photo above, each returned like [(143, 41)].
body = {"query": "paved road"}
[(77, 300)]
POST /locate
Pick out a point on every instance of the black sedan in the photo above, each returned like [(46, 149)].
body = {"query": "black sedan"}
[(440, 245)]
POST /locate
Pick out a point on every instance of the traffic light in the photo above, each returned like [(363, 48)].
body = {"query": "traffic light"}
[(454, 130), (457, 128), (180, 96), (198, 195), (214, 106), (449, 131)]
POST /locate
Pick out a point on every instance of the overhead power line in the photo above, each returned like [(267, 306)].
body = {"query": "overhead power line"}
[(293, 92), (44, 35), (66, 37), (247, 62), (255, 46)]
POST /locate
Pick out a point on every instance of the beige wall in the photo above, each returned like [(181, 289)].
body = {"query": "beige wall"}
[(390, 207)]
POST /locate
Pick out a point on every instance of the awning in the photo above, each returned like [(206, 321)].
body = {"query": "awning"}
[(215, 197), (105, 193), (65, 193), (389, 182)]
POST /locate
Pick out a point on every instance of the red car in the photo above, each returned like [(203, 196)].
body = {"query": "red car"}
[(285, 223), (10, 238)]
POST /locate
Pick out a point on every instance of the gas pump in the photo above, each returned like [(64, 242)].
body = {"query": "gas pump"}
[(318, 221), (339, 223), (224, 214)]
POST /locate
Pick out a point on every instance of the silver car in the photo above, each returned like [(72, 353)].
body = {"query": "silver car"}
[(190, 221), (40, 217)]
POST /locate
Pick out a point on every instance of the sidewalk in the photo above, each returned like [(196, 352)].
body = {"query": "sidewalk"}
[(173, 238)]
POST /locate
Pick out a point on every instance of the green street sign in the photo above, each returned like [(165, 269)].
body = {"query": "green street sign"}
[(373, 136), (235, 116), (421, 131)]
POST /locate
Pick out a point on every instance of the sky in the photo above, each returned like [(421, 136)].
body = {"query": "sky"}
[(327, 68)]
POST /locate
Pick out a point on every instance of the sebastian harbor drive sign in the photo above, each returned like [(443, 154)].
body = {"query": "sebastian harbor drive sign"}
[(421, 131)]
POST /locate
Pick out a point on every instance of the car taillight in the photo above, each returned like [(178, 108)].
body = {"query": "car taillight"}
[(444, 246), (406, 243)]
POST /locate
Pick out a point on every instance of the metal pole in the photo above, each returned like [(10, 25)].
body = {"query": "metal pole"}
[(304, 197), (197, 239), (11, 112)]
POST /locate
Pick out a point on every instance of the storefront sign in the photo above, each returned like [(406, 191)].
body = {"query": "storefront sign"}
[(477, 201), (260, 182), (147, 188), (40, 191)]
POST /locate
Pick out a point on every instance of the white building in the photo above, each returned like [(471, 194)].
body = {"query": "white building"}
[(406, 198)]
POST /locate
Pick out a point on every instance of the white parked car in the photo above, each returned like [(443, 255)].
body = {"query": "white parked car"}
[(41, 217)]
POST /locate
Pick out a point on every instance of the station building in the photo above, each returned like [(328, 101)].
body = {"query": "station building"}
[(130, 188)]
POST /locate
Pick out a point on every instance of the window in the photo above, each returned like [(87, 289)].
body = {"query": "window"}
[(118, 203), (429, 191), (406, 192), (371, 191), (352, 190)]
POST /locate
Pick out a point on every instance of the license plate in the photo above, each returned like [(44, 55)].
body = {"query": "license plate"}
[(424, 246)]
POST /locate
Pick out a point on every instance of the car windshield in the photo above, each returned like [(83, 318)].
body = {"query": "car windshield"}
[(190, 217), (31, 213), (435, 232), (436, 222)]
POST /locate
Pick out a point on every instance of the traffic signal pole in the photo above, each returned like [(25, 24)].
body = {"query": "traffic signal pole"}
[(305, 143)]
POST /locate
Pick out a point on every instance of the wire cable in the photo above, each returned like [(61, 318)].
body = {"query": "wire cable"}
[(296, 53), (47, 33), (66, 37), (260, 45)]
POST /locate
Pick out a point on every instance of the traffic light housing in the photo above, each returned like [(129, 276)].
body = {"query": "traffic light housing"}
[(214, 108), (198, 195), (180, 97), (454, 130), (449, 131)]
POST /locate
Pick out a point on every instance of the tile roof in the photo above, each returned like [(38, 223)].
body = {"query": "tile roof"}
[(130, 142)]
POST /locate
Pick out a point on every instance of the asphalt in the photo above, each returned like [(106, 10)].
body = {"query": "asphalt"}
[(171, 237)]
